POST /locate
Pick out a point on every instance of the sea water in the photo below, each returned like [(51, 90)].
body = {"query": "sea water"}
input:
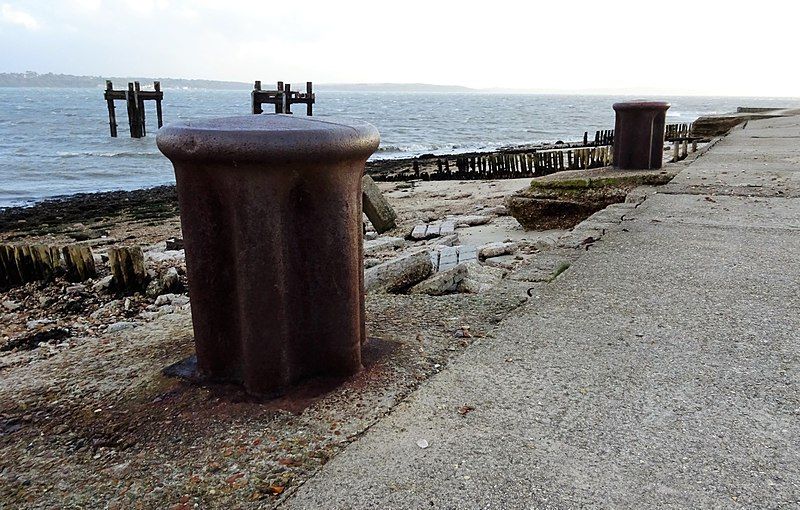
[(56, 142)]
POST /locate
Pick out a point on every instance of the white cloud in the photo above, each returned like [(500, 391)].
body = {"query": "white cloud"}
[(621, 45), (87, 5), (9, 14)]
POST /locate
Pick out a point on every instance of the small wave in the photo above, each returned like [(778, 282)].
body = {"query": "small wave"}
[(411, 148), (117, 154)]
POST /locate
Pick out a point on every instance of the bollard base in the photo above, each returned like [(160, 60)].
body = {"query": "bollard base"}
[(375, 352)]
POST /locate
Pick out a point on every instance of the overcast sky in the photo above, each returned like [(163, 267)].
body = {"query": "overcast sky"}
[(675, 47)]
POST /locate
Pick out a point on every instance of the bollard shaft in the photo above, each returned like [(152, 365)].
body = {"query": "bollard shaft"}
[(271, 216), (639, 134)]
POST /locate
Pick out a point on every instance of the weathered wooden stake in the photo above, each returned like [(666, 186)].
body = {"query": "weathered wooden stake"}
[(127, 267), (112, 116), (137, 89), (309, 104), (133, 117), (157, 88)]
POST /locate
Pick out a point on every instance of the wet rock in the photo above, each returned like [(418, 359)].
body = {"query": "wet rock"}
[(497, 249), (480, 278), (171, 299), (462, 332), (499, 210), (11, 306), (398, 274), (445, 282), (371, 262), (384, 244), (168, 282), (34, 324), (103, 285), (502, 261), (163, 310), (472, 220), (31, 341), (448, 240), (121, 326)]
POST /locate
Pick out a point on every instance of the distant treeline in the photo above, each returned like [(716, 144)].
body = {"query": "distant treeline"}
[(31, 79)]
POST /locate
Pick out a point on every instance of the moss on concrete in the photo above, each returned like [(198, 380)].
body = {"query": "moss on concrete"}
[(563, 199), (617, 181)]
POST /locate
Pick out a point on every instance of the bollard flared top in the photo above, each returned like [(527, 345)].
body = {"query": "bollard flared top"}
[(641, 105), (268, 138)]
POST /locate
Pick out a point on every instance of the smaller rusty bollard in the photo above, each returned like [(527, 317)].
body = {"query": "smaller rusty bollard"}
[(639, 135), (271, 215)]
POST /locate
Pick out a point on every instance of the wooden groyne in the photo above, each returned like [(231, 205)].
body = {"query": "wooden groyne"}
[(510, 164), (517, 162), (674, 132), (21, 264)]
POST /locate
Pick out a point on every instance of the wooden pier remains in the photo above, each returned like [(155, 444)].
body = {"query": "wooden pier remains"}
[(502, 164), (134, 98), (282, 98)]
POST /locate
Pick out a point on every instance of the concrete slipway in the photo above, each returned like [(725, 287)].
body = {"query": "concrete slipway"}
[(660, 370)]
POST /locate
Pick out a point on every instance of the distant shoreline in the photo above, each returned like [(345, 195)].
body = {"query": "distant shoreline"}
[(50, 80)]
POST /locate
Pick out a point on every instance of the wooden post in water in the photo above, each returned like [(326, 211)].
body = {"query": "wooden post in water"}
[(137, 89), (112, 116), (157, 88), (256, 105), (309, 104), (279, 103), (133, 116), (287, 92)]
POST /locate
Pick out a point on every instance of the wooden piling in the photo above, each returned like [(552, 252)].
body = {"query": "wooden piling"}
[(127, 267), (309, 104), (112, 115), (159, 96), (133, 116), (287, 92), (137, 89)]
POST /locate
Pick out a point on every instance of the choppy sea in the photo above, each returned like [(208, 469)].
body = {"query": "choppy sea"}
[(56, 142)]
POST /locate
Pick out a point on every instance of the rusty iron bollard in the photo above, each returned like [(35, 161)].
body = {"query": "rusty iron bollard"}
[(639, 134), (272, 223)]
